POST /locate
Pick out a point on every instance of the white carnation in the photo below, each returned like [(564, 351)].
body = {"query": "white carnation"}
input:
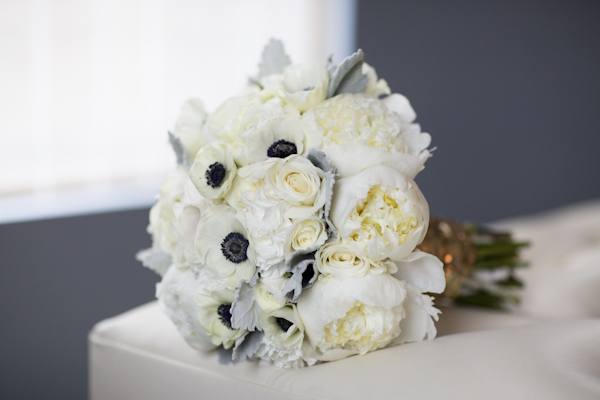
[(162, 217), (268, 195), (238, 115)]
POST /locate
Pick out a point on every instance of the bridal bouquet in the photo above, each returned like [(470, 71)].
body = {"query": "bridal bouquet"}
[(288, 231)]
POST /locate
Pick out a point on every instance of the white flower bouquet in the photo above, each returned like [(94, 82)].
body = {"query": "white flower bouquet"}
[(288, 231)]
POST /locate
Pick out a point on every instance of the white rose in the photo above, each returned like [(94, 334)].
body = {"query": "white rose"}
[(352, 316), (360, 131), (213, 170), (380, 212), (177, 297), (304, 86), (341, 261), (308, 233), (268, 293), (190, 125), (299, 183)]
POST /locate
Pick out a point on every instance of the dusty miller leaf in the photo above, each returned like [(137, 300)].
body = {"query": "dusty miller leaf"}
[(300, 264), (155, 259), (225, 356), (274, 59), (320, 160), (245, 310), (347, 77), (246, 346), (180, 151)]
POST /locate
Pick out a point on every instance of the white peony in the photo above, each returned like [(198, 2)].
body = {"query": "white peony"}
[(352, 316), (375, 87), (304, 86), (380, 212), (189, 126), (361, 130), (341, 261), (223, 246), (213, 170), (177, 297)]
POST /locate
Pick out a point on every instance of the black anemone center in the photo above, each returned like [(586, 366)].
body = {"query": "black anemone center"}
[(234, 247), (224, 311), (307, 275), (282, 149), (283, 323), (215, 174)]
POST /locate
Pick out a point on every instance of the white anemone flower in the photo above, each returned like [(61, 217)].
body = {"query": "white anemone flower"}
[(224, 247), (380, 212), (215, 316), (278, 137), (304, 86), (343, 317), (176, 295), (283, 326), (213, 170)]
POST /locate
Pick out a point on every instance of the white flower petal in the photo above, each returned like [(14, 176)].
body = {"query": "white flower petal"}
[(423, 271)]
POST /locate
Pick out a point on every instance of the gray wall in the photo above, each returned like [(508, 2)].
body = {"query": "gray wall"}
[(59, 277), (509, 90)]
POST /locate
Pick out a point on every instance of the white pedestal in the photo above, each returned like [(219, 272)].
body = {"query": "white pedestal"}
[(477, 355)]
